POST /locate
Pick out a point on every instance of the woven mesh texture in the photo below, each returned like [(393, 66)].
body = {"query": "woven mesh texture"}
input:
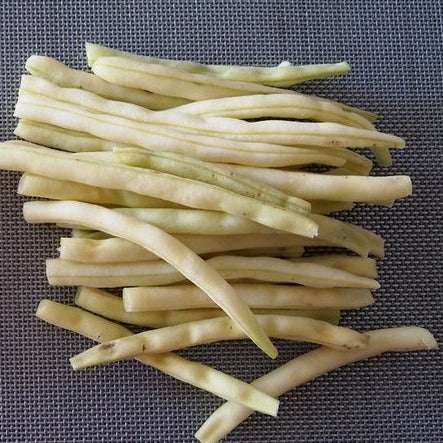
[(395, 50)]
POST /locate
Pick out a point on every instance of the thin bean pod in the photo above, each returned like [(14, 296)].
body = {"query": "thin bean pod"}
[(308, 367), (310, 186), (111, 306), (296, 106), (326, 207), (24, 157), (366, 267), (153, 137), (196, 374), (331, 233), (256, 295), (60, 138), (118, 250), (166, 80), (187, 167), (213, 330), (283, 75), (57, 72), (160, 243), (155, 273), (37, 186)]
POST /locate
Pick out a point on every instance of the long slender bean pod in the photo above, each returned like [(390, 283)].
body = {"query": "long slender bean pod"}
[(199, 375), (256, 295), (213, 330), (59, 73), (111, 306), (24, 157), (283, 75), (311, 365), (162, 244), (154, 273)]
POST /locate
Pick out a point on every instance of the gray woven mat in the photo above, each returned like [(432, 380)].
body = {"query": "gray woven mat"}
[(395, 49)]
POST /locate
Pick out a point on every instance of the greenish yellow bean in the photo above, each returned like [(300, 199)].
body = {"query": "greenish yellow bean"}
[(348, 236), (283, 75), (383, 157), (326, 207), (197, 222), (85, 234), (331, 233), (110, 306), (281, 252), (368, 115), (59, 138), (326, 135), (348, 170), (342, 234)]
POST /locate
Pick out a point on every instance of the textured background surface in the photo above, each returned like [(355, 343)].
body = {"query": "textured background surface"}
[(395, 50)]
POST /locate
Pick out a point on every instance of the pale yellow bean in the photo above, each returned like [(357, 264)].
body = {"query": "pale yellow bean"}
[(298, 106), (111, 306), (38, 186), (118, 250), (160, 243), (153, 137), (256, 295), (21, 156), (214, 330), (312, 186), (283, 75), (308, 367), (62, 75), (171, 81), (366, 267), (156, 273), (199, 375)]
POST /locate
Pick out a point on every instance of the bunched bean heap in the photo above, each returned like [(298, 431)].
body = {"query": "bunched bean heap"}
[(209, 222)]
